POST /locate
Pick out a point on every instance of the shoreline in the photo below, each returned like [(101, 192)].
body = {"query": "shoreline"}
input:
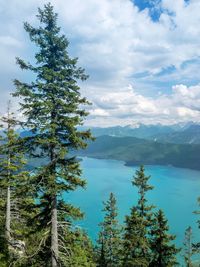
[(135, 164)]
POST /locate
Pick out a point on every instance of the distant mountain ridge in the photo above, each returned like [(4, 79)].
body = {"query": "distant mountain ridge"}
[(135, 151), (183, 133), (142, 131), (190, 135), (177, 145)]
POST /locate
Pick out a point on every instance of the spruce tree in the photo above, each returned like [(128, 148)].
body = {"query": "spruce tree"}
[(12, 175), (163, 250), (109, 242), (80, 248), (53, 109), (137, 225), (140, 180), (135, 241)]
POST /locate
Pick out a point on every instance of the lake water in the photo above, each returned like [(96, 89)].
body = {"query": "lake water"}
[(176, 192)]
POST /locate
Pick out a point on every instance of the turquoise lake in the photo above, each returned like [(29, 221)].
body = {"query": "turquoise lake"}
[(176, 192)]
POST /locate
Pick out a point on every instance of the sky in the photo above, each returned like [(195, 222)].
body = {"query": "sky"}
[(142, 56)]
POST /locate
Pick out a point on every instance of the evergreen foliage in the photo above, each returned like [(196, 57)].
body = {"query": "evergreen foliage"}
[(188, 250), (13, 202), (140, 180), (163, 250), (81, 249), (109, 242), (135, 241), (52, 106), (137, 225)]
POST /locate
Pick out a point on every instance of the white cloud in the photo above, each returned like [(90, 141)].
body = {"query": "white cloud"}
[(129, 106), (98, 112), (9, 41), (115, 41)]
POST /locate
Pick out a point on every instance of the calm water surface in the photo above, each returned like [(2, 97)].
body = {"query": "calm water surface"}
[(176, 191)]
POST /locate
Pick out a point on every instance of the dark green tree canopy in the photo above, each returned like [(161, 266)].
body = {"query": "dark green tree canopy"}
[(188, 250), (52, 106), (110, 240), (140, 180), (53, 109), (164, 252), (138, 223)]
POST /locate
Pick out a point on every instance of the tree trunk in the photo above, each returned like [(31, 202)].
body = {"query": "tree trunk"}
[(54, 233), (8, 212), (7, 230)]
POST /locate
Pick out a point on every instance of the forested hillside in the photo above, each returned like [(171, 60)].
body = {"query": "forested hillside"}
[(188, 133), (136, 151)]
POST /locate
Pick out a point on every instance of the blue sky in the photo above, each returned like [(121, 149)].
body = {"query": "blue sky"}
[(153, 7), (143, 57)]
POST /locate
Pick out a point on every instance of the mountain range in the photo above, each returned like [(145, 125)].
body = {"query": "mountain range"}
[(135, 151), (182, 133), (177, 145)]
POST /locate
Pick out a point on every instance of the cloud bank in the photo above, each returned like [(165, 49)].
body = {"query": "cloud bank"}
[(129, 107), (118, 44)]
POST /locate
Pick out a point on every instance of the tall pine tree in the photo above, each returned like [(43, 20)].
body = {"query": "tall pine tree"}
[(53, 110), (109, 242), (187, 249), (163, 250), (12, 175), (137, 225), (81, 249)]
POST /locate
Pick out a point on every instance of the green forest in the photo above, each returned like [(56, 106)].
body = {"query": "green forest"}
[(146, 151), (37, 227)]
